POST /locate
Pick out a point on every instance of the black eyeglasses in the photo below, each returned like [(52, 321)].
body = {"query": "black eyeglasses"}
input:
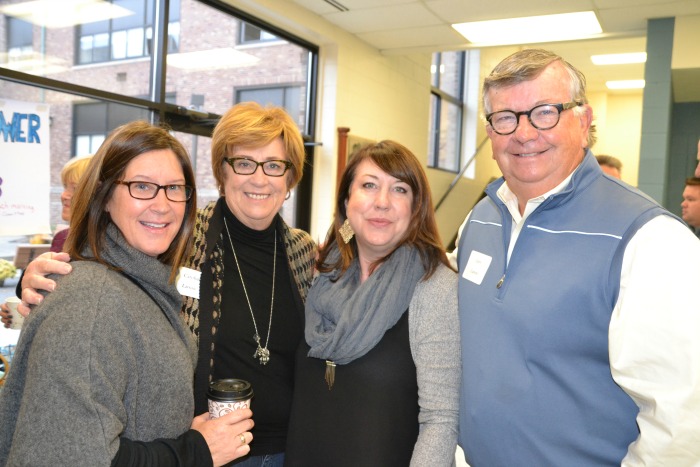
[(148, 190), (542, 117), (245, 166)]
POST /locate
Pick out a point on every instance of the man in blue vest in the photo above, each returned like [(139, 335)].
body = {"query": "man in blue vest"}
[(578, 294)]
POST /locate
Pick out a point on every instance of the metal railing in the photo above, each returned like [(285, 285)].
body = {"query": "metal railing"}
[(460, 174)]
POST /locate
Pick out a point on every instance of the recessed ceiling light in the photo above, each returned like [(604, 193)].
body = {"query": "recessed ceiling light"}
[(626, 84), (531, 29), (619, 59)]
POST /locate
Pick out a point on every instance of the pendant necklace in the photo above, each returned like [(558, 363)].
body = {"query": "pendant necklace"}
[(261, 352)]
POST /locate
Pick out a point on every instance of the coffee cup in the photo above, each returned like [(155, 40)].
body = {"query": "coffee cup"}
[(227, 395), (17, 318)]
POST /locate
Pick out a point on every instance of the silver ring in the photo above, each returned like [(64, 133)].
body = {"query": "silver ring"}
[(242, 437)]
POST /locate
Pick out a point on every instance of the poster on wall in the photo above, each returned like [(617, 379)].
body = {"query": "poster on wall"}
[(24, 168)]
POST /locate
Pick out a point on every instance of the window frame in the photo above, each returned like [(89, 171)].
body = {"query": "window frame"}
[(439, 98)]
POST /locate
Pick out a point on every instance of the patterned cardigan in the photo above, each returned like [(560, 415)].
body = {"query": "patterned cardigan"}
[(202, 316)]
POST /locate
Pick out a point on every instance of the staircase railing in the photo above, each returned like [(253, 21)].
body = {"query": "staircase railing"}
[(461, 173)]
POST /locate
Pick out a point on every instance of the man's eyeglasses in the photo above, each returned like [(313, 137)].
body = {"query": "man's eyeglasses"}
[(245, 166), (148, 190), (542, 117)]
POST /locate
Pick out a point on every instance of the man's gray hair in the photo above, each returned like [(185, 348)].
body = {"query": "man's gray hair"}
[(528, 64)]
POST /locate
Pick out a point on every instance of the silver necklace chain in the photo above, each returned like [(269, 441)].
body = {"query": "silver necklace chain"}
[(261, 352)]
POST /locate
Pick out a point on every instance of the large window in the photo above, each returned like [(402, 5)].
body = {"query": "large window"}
[(446, 110), (96, 73), (454, 103)]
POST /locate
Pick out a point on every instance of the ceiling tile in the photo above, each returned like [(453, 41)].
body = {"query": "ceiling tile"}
[(376, 19)]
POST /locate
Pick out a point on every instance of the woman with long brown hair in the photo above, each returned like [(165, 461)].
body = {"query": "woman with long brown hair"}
[(377, 380)]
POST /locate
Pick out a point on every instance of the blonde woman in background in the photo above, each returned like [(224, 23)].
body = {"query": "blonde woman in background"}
[(70, 176)]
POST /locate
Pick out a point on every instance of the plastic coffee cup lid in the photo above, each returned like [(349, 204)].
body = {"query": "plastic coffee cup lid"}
[(230, 389)]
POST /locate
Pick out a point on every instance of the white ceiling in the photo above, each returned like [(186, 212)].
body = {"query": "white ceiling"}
[(407, 26)]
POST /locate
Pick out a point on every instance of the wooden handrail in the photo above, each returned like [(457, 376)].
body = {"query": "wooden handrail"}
[(342, 151)]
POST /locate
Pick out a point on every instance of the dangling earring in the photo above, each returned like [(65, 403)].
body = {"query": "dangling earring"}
[(289, 193), (346, 231)]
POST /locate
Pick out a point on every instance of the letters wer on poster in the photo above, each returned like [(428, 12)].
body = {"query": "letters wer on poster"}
[(24, 168)]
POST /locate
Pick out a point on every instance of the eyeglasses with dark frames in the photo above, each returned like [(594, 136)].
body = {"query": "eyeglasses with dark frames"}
[(148, 190), (246, 166), (542, 117)]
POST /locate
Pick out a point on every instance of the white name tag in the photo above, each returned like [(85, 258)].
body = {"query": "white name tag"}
[(188, 282), (477, 265)]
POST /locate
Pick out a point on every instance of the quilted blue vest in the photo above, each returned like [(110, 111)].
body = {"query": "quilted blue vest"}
[(537, 388)]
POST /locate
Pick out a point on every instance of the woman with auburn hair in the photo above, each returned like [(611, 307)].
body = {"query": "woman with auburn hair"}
[(377, 380)]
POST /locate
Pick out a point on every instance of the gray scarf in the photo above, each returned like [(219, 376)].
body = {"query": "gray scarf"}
[(345, 319), (145, 271), (151, 276)]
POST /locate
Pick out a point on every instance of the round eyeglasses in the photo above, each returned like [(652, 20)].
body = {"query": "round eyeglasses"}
[(245, 166), (542, 117), (148, 190)]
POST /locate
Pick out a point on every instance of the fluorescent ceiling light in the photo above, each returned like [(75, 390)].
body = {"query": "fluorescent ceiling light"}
[(532, 29), (211, 59), (626, 84), (619, 59), (66, 13)]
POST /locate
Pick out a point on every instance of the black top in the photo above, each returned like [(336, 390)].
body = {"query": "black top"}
[(363, 420), (233, 354), (190, 448)]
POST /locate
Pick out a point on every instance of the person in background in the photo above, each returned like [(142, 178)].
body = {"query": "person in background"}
[(697, 169), (104, 367), (248, 313), (691, 204), (70, 176), (577, 294), (377, 378), (610, 165)]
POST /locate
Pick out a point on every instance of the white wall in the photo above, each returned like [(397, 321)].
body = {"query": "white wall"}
[(618, 118)]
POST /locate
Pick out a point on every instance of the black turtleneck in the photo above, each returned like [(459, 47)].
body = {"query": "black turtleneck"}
[(272, 383)]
